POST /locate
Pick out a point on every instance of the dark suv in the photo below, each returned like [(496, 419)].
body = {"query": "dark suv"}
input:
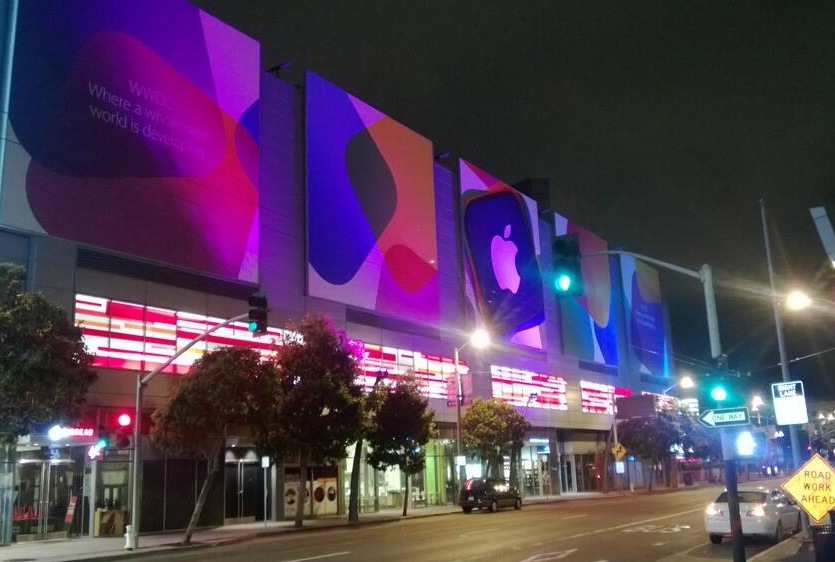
[(489, 493)]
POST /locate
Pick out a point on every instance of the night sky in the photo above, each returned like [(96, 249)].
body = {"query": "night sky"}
[(660, 126)]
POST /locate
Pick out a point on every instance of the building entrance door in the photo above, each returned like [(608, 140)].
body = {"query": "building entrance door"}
[(43, 505), (242, 485)]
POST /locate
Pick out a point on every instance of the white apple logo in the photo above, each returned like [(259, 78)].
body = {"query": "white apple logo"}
[(503, 255)]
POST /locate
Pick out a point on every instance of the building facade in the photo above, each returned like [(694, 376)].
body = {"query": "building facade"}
[(152, 177)]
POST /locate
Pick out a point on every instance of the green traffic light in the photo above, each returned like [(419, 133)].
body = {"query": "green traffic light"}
[(563, 282), (253, 326), (718, 393)]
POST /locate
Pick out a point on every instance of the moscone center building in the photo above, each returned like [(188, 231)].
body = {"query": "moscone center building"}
[(153, 176)]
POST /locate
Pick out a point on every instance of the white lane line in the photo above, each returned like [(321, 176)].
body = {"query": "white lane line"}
[(577, 516), (625, 525), (319, 557)]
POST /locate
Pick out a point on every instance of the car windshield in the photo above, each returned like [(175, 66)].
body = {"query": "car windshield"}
[(744, 497)]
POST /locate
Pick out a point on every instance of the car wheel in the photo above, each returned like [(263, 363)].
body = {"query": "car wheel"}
[(494, 506), (467, 509), (715, 539), (778, 533), (518, 504)]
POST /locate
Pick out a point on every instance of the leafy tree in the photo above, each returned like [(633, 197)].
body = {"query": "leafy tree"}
[(320, 405), (402, 426), (223, 388), (491, 429), (44, 367), (651, 438)]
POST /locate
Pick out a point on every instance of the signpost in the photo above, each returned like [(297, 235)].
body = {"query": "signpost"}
[(721, 418), (725, 417)]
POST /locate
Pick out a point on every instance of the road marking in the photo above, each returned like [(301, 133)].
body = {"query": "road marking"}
[(319, 557), (625, 525), (480, 532), (576, 516), (544, 557)]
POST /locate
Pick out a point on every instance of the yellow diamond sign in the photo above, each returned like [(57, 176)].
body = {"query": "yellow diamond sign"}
[(619, 451), (813, 487)]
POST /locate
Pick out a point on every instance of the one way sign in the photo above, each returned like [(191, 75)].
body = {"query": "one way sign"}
[(725, 417)]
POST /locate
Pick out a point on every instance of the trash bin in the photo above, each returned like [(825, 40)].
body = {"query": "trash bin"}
[(823, 541)]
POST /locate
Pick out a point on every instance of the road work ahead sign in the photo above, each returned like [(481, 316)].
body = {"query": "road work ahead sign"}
[(813, 487)]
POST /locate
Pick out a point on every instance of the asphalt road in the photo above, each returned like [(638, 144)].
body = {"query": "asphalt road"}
[(626, 528)]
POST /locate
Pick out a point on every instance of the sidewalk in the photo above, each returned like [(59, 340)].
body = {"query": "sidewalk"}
[(102, 549)]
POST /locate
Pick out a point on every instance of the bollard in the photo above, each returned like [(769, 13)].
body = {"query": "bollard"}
[(130, 538)]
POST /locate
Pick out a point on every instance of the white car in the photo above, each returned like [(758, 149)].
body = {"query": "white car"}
[(765, 513)]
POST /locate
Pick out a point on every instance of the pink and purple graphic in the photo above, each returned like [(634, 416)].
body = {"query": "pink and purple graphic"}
[(505, 283), (371, 208), (646, 323), (134, 128), (587, 323)]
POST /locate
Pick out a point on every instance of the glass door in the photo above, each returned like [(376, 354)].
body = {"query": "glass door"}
[(43, 505)]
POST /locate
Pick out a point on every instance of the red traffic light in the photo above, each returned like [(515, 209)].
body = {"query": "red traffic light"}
[(124, 420)]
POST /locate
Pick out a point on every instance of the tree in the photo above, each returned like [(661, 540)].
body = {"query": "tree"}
[(402, 426), (44, 367), (222, 388), (320, 406), (651, 438), (492, 428)]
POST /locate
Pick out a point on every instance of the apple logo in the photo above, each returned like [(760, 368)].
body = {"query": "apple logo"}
[(503, 255)]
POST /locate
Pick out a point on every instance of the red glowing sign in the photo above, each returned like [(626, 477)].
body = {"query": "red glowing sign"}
[(529, 389)]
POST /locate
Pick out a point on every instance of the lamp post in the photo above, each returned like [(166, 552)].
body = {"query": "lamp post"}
[(479, 339), (781, 348), (756, 403)]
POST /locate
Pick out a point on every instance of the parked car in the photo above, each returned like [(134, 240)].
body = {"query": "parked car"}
[(488, 493), (765, 513)]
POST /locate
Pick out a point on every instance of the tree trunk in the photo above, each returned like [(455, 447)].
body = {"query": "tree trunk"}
[(515, 453), (353, 499), (406, 496), (651, 479), (303, 458), (211, 469)]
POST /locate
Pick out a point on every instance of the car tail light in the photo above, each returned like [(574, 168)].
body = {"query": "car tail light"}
[(757, 511), (713, 510)]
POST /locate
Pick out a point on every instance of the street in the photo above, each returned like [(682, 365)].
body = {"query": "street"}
[(626, 528)]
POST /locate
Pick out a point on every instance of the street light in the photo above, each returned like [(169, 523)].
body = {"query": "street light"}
[(756, 403), (479, 339), (781, 348), (683, 382)]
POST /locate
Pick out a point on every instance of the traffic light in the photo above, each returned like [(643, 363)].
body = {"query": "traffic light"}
[(719, 393), (124, 429), (568, 277), (258, 314)]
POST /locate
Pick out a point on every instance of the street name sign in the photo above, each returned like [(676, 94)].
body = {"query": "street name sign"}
[(725, 417), (789, 403), (812, 486)]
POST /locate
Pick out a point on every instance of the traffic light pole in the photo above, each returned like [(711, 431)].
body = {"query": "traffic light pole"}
[(132, 531), (705, 275)]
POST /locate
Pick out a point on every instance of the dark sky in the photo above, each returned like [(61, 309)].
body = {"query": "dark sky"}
[(659, 124)]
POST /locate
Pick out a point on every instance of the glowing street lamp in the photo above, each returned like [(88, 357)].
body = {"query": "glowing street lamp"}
[(756, 403), (683, 382), (798, 300), (479, 339)]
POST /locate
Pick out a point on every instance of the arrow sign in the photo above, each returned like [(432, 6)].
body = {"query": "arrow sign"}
[(725, 417)]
